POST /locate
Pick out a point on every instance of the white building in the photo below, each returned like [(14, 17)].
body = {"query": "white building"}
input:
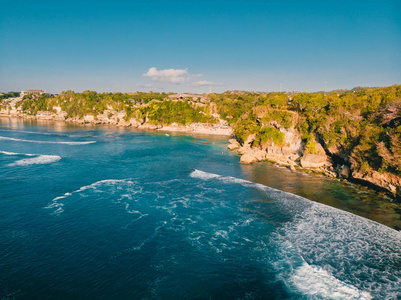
[(31, 92)]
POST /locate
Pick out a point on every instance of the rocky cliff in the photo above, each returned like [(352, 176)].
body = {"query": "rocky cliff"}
[(110, 117), (333, 162)]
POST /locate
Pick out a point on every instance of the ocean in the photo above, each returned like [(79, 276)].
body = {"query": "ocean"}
[(92, 212)]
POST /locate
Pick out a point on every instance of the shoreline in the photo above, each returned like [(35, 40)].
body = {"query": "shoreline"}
[(210, 130), (194, 128), (388, 204)]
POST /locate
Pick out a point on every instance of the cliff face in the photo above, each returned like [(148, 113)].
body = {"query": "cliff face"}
[(110, 117), (292, 153), (333, 161), (387, 181)]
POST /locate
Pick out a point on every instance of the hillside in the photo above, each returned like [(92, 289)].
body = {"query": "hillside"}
[(354, 134)]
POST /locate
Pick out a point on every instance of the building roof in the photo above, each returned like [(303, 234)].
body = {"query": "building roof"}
[(34, 91)]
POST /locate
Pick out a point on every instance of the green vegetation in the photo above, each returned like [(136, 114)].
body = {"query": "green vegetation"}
[(33, 104), (363, 126), (9, 95), (181, 112), (267, 135), (141, 106)]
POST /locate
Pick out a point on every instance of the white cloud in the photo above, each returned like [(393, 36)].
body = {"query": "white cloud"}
[(168, 75), (177, 76), (202, 83)]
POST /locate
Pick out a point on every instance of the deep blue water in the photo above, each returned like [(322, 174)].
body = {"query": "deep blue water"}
[(108, 213)]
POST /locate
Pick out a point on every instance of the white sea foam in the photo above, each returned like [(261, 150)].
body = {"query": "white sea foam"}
[(318, 283), (42, 133), (340, 240), (37, 159), (13, 153), (228, 179), (41, 159), (203, 175), (55, 203), (325, 247), (139, 246), (46, 142)]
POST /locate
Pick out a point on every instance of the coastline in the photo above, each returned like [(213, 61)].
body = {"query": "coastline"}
[(384, 206), (194, 128), (197, 128), (292, 159)]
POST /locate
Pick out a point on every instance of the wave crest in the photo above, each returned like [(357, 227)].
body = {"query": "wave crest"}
[(37, 159), (324, 245), (55, 203), (41, 159), (45, 142)]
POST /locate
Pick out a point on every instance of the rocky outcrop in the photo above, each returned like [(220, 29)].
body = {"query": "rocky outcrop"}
[(387, 181), (111, 117), (287, 155), (135, 123), (316, 160), (344, 171), (295, 153), (233, 144), (253, 155)]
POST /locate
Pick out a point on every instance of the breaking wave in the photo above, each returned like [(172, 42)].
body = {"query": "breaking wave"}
[(58, 205), (320, 252), (41, 159), (322, 248), (42, 133), (36, 159), (13, 153), (46, 142), (316, 282)]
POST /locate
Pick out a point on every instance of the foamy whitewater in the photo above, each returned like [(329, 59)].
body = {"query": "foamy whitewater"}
[(36, 159), (46, 142), (136, 215)]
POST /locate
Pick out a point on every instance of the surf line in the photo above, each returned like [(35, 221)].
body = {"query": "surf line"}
[(34, 159), (55, 203), (46, 142)]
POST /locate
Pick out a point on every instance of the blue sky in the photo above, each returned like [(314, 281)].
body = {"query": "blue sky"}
[(198, 46)]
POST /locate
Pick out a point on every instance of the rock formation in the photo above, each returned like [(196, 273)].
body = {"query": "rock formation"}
[(295, 153)]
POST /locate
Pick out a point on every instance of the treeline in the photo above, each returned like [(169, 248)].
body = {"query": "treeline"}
[(180, 112), (9, 95), (145, 107), (362, 127)]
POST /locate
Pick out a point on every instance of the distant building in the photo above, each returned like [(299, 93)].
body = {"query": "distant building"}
[(190, 97), (31, 92)]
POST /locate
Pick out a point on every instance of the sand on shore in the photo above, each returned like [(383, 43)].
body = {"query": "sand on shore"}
[(199, 128)]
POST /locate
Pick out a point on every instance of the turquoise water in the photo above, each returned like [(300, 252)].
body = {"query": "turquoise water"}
[(108, 213)]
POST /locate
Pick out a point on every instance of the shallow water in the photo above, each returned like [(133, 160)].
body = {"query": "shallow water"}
[(102, 212)]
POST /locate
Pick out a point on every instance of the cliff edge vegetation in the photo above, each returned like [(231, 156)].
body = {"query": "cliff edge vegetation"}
[(353, 134)]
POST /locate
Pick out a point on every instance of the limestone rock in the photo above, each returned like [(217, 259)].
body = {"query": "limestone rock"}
[(388, 181), (124, 123), (233, 144), (246, 147), (134, 122), (253, 156), (344, 171), (313, 161)]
